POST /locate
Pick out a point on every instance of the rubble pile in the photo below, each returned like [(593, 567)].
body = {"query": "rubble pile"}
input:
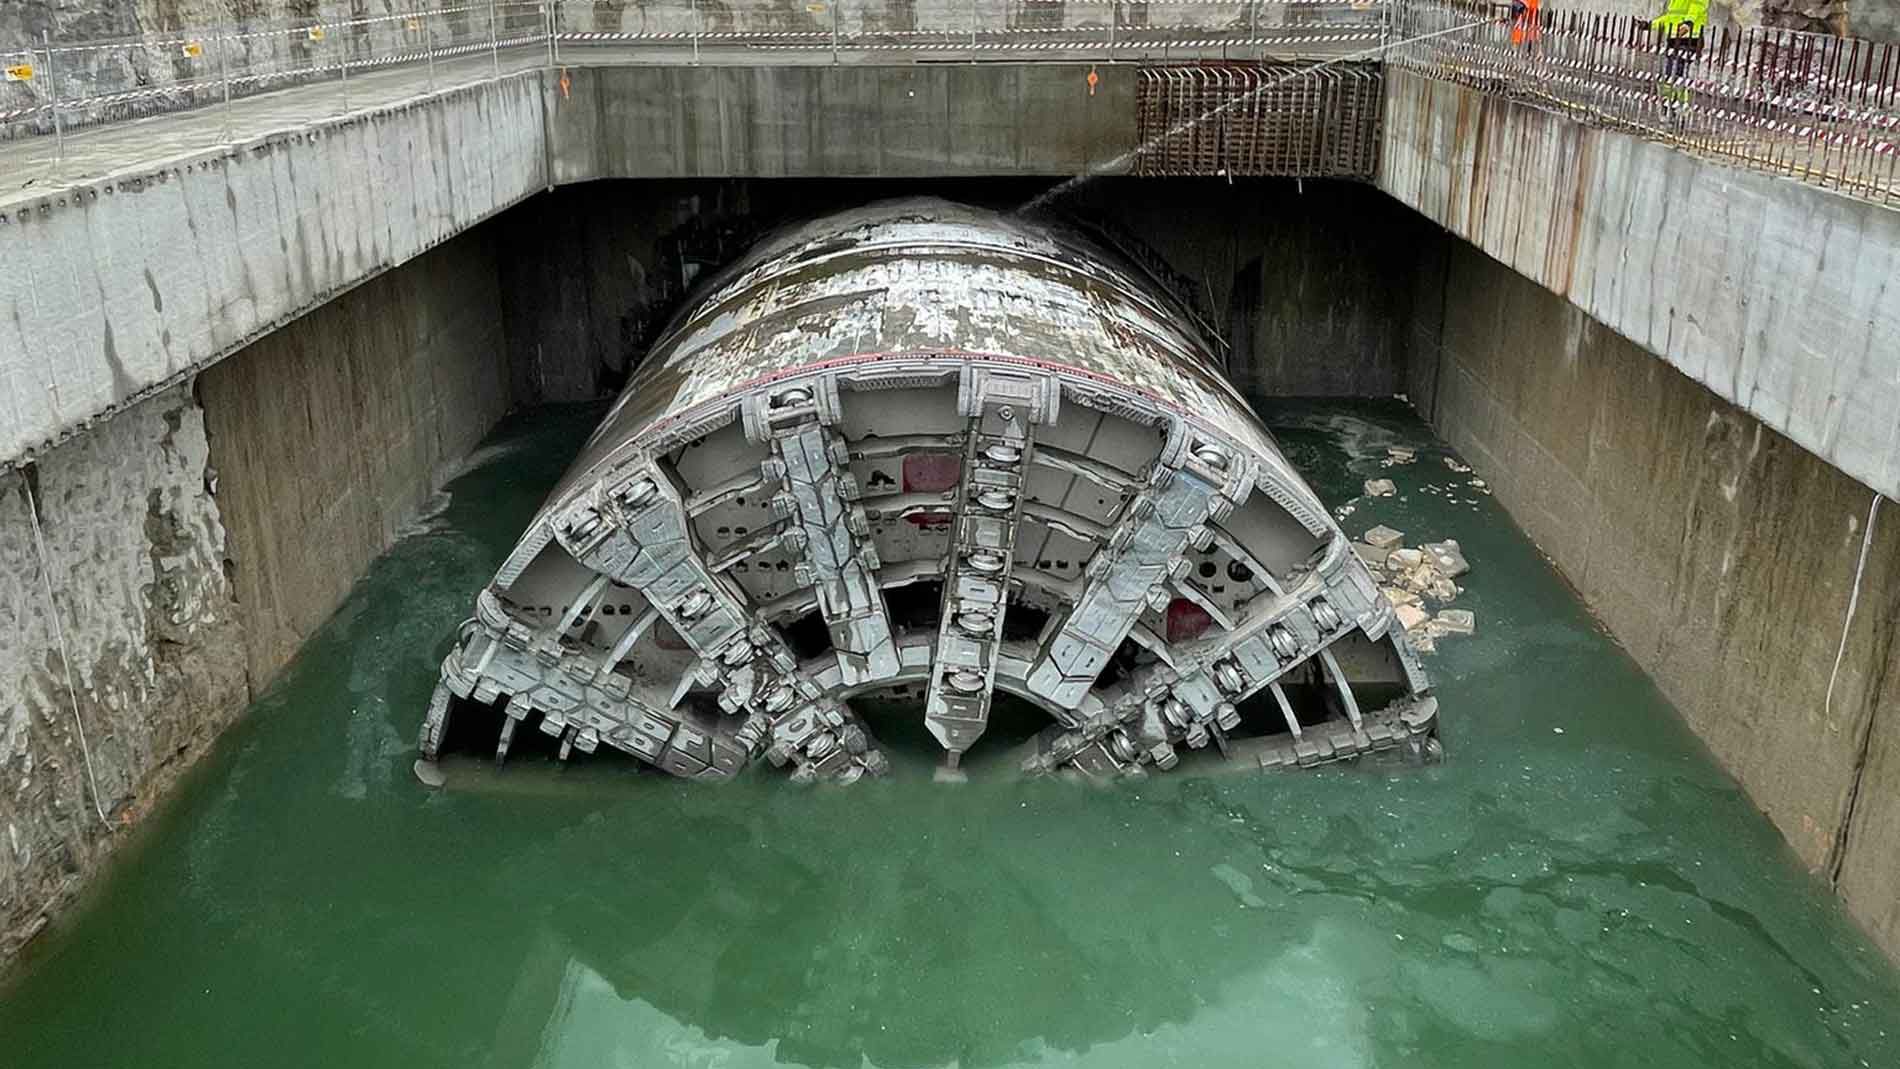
[(1415, 579)]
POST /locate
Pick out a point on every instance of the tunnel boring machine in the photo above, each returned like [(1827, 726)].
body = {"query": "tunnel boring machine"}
[(925, 453)]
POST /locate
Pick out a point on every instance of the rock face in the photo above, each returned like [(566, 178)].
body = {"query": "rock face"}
[(141, 620), (132, 70), (1810, 16)]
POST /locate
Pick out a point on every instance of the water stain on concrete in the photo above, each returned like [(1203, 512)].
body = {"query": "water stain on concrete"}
[(123, 385)]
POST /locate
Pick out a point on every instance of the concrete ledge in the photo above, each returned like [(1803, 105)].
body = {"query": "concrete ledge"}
[(112, 291), (947, 120), (115, 290), (1770, 293)]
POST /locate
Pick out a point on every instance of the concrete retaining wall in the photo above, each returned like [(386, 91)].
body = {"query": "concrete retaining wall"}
[(111, 291), (123, 287), (1771, 293), (1720, 553), (329, 435), (837, 122), (192, 541), (1299, 279), (134, 552)]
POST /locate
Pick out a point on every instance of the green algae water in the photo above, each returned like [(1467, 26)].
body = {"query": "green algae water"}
[(1577, 885)]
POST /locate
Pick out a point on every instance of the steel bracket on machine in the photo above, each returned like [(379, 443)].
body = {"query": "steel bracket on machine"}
[(1003, 408)]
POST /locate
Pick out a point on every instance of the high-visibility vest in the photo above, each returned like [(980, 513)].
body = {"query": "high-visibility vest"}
[(1524, 26), (1693, 12)]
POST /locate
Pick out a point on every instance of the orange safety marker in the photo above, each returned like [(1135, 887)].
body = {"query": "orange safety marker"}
[(1094, 78)]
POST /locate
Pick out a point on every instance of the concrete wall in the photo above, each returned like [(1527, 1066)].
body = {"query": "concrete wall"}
[(923, 120), (122, 287), (1307, 282), (113, 290), (331, 434), (1771, 293), (1720, 553), (194, 538), (591, 273), (134, 551)]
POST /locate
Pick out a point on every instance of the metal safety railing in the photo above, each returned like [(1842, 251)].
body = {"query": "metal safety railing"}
[(1825, 110), (1259, 119), (65, 86), (1822, 109), (57, 86)]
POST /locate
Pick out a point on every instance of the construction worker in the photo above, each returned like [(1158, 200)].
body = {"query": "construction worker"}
[(1693, 12), (1680, 26), (1524, 26)]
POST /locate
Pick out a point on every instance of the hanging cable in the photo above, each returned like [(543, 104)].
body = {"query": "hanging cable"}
[(1853, 600), (65, 655)]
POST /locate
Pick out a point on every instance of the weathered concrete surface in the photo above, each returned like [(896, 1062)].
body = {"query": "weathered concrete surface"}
[(331, 434), (845, 121), (116, 289), (135, 553), (110, 291), (1771, 293), (192, 547), (590, 273), (1721, 554)]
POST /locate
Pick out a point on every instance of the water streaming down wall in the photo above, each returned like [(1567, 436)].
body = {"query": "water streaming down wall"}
[(921, 450)]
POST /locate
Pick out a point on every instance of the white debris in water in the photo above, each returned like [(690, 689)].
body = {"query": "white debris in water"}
[(1380, 488), (1447, 557), (1453, 464), (1383, 537), (1409, 576), (1421, 579), (1399, 454), (1457, 621)]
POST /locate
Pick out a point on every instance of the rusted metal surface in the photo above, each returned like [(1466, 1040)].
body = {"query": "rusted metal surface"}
[(1822, 109), (1276, 119), (918, 454)]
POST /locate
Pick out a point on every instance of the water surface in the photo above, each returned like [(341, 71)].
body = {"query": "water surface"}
[(1578, 885)]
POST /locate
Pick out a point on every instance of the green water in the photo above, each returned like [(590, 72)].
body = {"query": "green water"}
[(1599, 896)]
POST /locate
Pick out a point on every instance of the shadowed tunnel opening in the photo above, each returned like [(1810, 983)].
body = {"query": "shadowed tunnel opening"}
[(895, 716)]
